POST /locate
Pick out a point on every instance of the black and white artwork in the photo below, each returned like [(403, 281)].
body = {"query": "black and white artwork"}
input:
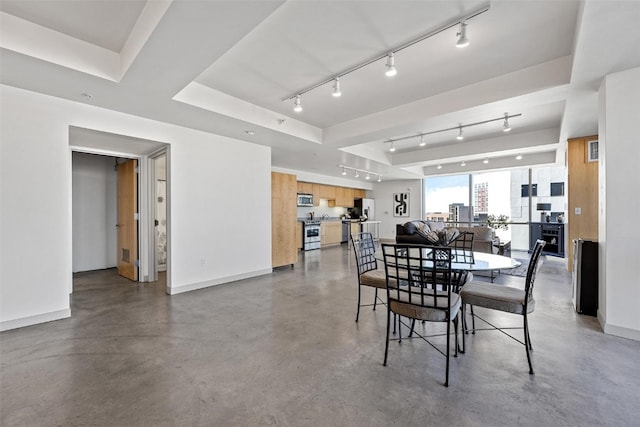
[(401, 204)]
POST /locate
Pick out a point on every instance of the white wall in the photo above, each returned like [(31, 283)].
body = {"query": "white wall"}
[(619, 234), (212, 198), (383, 195), (94, 212)]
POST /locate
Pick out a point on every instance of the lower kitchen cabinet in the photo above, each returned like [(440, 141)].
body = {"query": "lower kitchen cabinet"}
[(330, 233)]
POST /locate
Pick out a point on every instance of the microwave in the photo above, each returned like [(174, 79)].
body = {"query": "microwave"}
[(305, 199)]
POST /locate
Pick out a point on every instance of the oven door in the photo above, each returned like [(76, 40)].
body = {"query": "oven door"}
[(312, 233)]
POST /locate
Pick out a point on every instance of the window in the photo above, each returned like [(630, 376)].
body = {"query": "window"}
[(525, 190), (557, 188)]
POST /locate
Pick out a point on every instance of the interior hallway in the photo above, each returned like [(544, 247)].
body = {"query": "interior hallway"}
[(283, 349)]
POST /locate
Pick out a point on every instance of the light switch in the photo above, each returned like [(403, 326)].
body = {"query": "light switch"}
[(578, 211)]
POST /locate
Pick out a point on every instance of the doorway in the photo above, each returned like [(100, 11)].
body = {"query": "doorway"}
[(119, 231)]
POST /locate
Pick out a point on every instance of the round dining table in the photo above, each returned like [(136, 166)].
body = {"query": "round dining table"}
[(465, 260)]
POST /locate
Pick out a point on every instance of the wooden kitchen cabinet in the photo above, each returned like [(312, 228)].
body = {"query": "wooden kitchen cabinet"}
[(283, 219), (299, 231), (330, 233), (327, 192), (344, 197), (359, 193)]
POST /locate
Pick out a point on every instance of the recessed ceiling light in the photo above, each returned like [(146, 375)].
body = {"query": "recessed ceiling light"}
[(86, 95), (519, 157), (249, 132)]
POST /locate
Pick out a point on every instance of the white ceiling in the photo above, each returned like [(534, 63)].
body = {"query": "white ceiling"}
[(227, 67)]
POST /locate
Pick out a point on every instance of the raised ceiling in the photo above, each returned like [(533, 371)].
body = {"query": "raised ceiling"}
[(227, 67)]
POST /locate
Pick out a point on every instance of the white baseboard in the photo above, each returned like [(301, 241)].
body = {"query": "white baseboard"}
[(34, 320), (619, 331), (206, 284)]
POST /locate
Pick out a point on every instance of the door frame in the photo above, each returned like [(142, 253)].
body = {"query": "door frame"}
[(151, 205), (146, 216)]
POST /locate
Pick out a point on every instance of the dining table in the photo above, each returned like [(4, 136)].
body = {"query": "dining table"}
[(464, 261)]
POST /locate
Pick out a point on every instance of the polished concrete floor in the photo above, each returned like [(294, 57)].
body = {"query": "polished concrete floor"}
[(283, 349)]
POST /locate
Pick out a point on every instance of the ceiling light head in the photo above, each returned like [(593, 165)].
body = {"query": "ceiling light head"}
[(463, 40), (422, 143), (392, 149), (344, 171), (249, 132), (519, 157), (505, 125), (368, 176), (460, 136), (485, 161), (379, 178), (336, 88), (391, 66), (297, 106), (463, 163), (439, 166), (357, 175)]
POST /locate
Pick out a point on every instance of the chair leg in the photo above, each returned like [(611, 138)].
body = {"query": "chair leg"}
[(358, 308), (375, 300), (473, 321), (394, 323), (527, 344), (399, 330), (386, 344), (455, 333), (464, 328), (413, 325), (446, 381)]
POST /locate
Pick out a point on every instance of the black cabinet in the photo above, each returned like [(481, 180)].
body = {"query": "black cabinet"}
[(552, 233)]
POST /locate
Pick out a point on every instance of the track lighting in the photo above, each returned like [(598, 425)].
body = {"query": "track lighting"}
[(505, 125), (356, 173), (336, 88), (422, 143), (459, 127), (297, 106), (485, 161), (391, 66), (519, 157), (392, 149), (463, 40), (439, 166), (463, 163)]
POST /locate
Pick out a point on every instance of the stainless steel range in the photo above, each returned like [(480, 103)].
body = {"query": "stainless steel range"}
[(311, 235)]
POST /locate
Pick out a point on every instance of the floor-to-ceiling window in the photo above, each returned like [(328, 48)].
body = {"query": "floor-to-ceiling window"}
[(507, 200)]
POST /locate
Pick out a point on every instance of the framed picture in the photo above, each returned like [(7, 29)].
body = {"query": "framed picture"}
[(592, 151), (401, 204)]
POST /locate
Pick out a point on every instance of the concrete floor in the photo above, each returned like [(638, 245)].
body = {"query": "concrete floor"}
[(284, 349)]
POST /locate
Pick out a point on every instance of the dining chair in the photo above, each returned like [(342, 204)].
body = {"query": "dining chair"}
[(368, 272), (420, 286), (506, 299)]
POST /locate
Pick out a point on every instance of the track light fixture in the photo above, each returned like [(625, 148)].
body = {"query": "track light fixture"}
[(519, 157), (297, 106), (459, 128), (356, 173), (392, 149), (463, 40), (390, 69), (463, 164), (391, 66), (505, 125), (485, 161), (422, 143), (336, 88), (439, 166)]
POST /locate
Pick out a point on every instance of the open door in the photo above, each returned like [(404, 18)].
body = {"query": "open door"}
[(128, 220)]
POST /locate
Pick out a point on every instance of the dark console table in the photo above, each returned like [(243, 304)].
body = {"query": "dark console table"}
[(550, 232)]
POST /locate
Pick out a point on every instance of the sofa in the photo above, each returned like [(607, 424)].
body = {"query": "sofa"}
[(414, 232)]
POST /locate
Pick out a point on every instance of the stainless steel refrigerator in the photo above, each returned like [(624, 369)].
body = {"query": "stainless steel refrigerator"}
[(365, 208)]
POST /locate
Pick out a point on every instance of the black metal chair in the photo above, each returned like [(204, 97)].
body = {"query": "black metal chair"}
[(506, 299), (420, 286), (368, 272)]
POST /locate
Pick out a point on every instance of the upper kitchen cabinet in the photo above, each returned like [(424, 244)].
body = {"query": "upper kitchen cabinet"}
[(359, 193), (327, 192), (344, 197)]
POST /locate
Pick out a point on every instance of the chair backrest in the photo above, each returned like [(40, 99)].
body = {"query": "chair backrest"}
[(364, 248), (464, 241), (413, 271), (532, 269)]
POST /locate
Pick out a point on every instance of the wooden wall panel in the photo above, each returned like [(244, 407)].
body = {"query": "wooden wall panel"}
[(583, 193), (284, 250)]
